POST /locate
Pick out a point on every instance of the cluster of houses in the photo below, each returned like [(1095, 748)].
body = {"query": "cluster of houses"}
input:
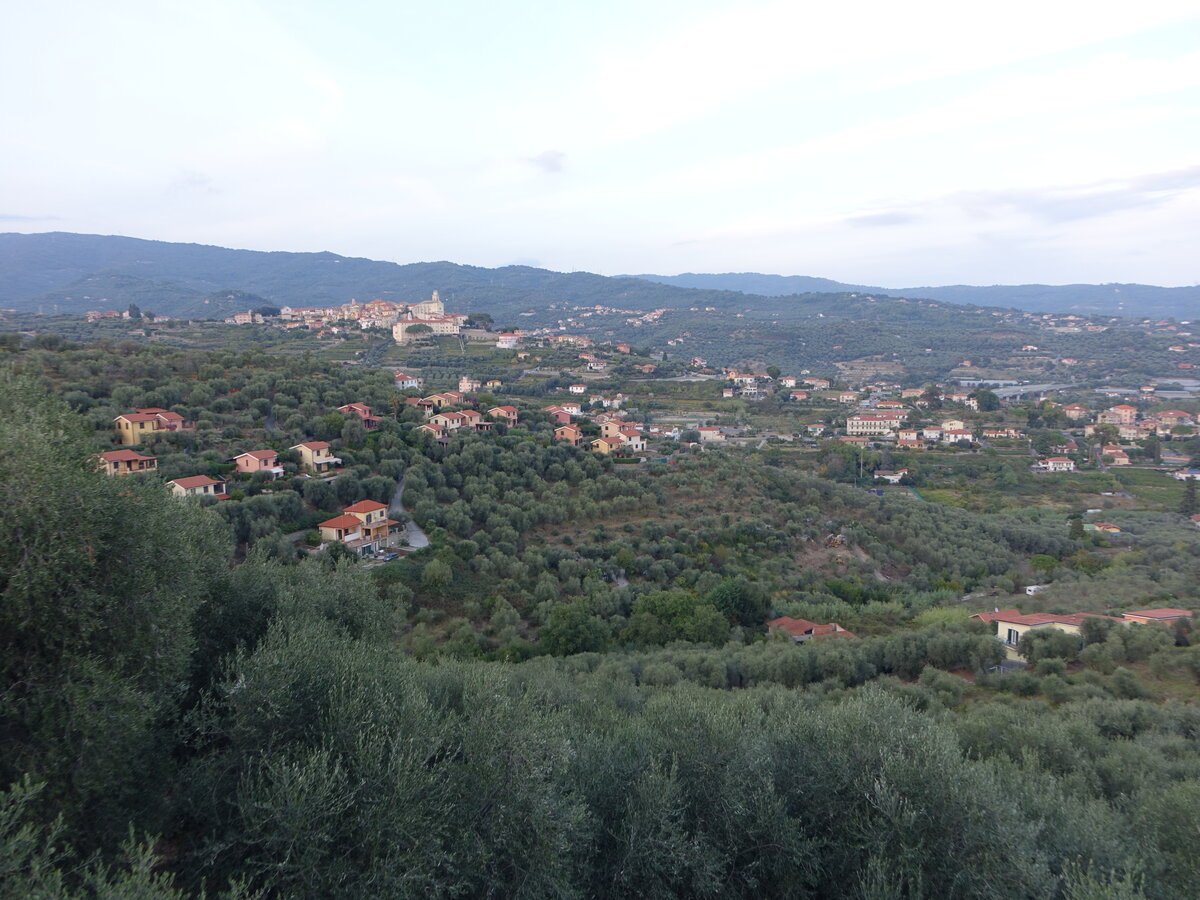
[(1012, 625), (1131, 425), (373, 314)]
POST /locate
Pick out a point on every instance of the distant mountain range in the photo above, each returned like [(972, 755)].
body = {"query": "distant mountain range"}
[(72, 273), (1112, 299), (60, 272)]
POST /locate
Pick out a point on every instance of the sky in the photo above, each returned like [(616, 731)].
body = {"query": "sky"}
[(890, 144)]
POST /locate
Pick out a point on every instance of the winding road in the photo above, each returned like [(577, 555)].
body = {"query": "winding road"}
[(417, 538)]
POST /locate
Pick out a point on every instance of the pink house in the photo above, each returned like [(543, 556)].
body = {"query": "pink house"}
[(258, 461)]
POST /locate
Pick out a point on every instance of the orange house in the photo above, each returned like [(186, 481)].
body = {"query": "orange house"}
[(504, 414), (570, 434), (363, 412)]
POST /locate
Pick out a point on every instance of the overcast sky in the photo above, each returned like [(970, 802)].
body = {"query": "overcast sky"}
[(898, 144)]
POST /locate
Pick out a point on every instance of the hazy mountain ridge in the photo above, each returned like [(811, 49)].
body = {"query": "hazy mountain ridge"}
[(70, 273), (1115, 299)]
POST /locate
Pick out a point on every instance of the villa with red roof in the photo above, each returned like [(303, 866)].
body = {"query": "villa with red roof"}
[(258, 461), (126, 462), (801, 630), (136, 427), (363, 412), (363, 527), (315, 457), (198, 486)]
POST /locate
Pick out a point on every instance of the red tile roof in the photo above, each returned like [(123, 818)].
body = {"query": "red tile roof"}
[(792, 626), (258, 454), (364, 506), (124, 456), (343, 521), (993, 616), (194, 481), (1050, 618), (314, 445), (1164, 612)]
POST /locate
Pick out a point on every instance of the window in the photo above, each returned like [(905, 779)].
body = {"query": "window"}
[(1014, 637)]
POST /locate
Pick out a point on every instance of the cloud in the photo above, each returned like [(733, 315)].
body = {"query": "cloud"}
[(192, 180), (551, 162), (12, 217), (1073, 202), (882, 219)]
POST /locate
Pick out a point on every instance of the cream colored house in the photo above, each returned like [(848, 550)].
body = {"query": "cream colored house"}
[(197, 486), (315, 457)]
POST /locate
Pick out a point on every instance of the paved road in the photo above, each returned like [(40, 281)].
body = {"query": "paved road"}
[(416, 537), (1021, 389)]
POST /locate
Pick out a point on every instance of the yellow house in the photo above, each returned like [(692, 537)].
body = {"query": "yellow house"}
[(315, 456), (135, 427), (606, 445), (126, 462), (1012, 627)]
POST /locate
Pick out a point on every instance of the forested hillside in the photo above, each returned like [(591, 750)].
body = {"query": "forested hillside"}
[(570, 692), (1114, 299)]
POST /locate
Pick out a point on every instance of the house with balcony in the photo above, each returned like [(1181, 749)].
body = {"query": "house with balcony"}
[(315, 457), (364, 527), (147, 422), (1056, 464), (126, 462)]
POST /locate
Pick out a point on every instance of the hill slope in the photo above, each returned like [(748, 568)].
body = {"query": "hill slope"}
[(1113, 299)]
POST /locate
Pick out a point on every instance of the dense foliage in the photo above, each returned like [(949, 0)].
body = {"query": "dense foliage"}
[(570, 692)]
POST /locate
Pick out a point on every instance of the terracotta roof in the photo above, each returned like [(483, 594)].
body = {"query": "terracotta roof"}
[(194, 481), (343, 521), (993, 616), (831, 630), (258, 454), (1164, 612), (792, 626), (1050, 618), (123, 456), (138, 417), (313, 445), (365, 506)]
